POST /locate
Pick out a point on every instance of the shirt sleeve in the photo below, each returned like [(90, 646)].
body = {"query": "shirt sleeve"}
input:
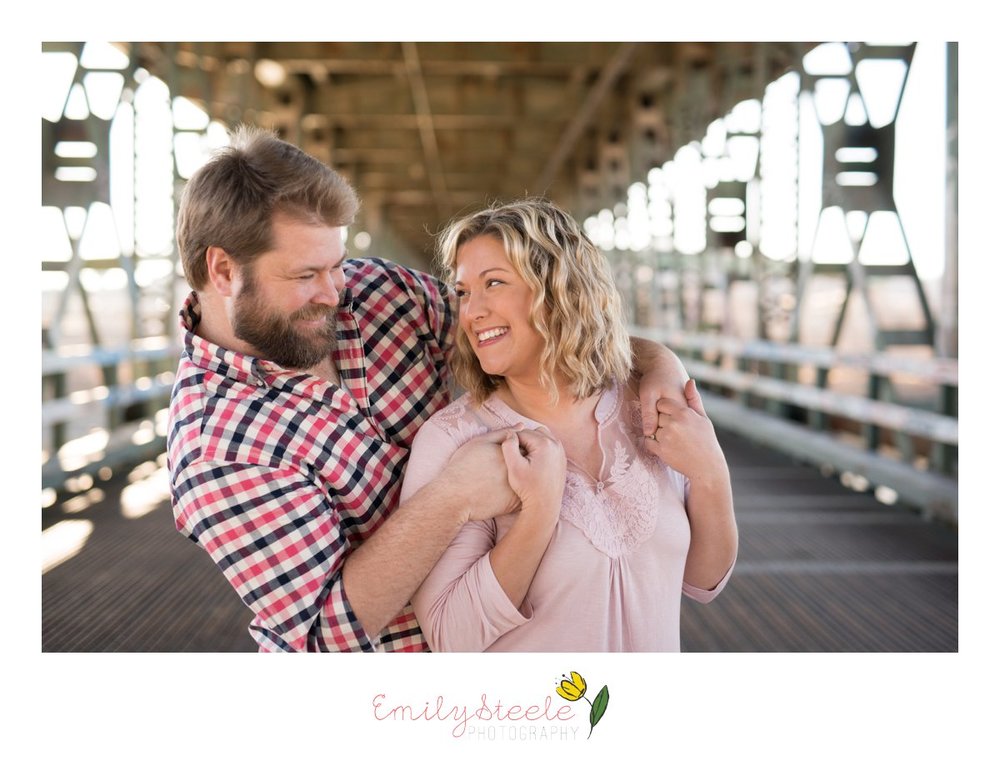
[(437, 303), (280, 545), (707, 595), (440, 307), (460, 605)]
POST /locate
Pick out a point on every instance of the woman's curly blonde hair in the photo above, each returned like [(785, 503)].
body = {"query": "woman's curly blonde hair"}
[(576, 307)]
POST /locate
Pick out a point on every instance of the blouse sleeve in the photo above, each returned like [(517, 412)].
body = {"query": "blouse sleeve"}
[(460, 605), (707, 595), (430, 451)]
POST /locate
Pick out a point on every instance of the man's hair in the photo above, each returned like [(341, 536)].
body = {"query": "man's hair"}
[(231, 201), (575, 307)]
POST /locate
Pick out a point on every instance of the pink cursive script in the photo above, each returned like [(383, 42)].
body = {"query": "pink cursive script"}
[(462, 715)]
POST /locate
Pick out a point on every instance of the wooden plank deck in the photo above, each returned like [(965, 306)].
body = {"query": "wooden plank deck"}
[(821, 569)]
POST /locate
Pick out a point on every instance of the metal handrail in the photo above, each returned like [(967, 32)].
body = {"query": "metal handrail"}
[(733, 398), (125, 407)]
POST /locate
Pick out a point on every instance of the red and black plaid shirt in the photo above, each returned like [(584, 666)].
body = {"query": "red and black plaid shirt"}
[(279, 474)]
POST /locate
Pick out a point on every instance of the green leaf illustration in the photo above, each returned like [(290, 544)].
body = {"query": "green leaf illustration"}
[(597, 708)]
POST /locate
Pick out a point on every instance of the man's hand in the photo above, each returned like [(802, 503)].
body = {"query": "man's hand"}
[(684, 438), (478, 470), (661, 376)]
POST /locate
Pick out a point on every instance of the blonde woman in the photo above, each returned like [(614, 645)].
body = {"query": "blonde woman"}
[(599, 554)]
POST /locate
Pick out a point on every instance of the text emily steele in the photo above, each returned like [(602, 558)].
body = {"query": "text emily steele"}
[(462, 715)]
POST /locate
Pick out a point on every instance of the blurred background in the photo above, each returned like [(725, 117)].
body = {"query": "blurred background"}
[(784, 216)]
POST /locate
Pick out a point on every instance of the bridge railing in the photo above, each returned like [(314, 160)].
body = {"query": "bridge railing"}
[(117, 421), (752, 387), (904, 442)]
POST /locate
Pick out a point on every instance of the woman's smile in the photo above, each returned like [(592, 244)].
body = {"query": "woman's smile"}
[(490, 336)]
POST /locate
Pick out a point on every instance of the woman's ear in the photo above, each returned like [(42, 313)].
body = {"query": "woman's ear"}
[(221, 270)]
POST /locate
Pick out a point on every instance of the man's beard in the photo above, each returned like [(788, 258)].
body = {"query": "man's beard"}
[(276, 337)]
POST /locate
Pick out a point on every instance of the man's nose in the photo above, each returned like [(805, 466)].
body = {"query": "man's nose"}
[(329, 288)]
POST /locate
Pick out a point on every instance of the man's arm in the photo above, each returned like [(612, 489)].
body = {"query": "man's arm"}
[(382, 574), (281, 547), (661, 376), (686, 441)]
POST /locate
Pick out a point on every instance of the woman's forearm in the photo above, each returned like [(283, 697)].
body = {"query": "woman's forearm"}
[(714, 536), (517, 555)]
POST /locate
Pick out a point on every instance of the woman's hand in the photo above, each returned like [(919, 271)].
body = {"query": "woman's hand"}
[(685, 440), (536, 471), (684, 437)]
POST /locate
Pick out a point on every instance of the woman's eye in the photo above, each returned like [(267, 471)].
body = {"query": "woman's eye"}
[(493, 281), (461, 294)]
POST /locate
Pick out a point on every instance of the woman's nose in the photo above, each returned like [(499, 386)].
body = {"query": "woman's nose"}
[(475, 306)]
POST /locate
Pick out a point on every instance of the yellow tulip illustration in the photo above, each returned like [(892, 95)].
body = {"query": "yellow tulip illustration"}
[(572, 690), (575, 687)]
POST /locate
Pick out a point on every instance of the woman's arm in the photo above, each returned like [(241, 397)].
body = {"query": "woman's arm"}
[(474, 593), (516, 556)]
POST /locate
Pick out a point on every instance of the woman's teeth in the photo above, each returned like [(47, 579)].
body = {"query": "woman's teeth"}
[(488, 334)]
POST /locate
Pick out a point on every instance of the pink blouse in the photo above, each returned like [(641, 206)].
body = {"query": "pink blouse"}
[(612, 576)]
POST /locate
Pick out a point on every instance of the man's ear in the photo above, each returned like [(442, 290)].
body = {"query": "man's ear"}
[(221, 269)]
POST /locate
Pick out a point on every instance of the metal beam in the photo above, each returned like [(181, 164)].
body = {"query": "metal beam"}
[(425, 121), (441, 121), (947, 338), (609, 75), (450, 68)]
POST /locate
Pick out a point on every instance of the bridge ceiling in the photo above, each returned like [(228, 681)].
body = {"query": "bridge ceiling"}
[(428, 130)]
